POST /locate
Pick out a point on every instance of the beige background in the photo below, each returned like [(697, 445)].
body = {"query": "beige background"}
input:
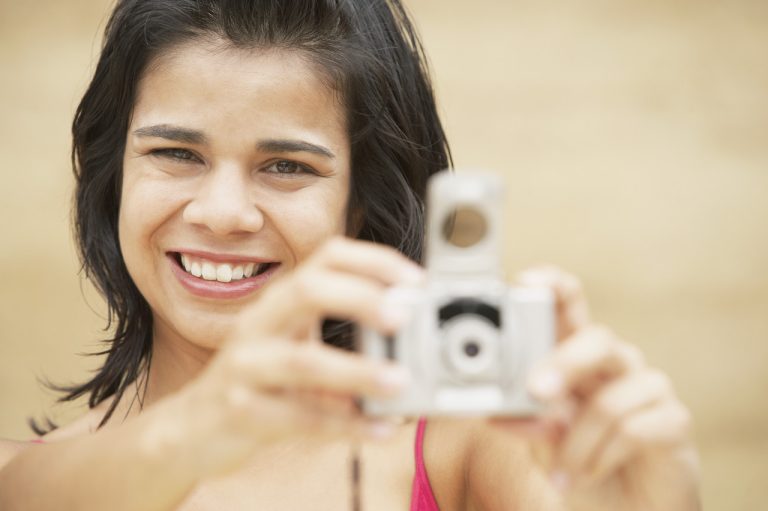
[(634, 138)]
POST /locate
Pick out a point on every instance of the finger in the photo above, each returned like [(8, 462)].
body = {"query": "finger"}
[(582, 364), (604, 413), (313, 293), (663, 426), (285, 366), (571, 305), (375, 261), (617, 453)]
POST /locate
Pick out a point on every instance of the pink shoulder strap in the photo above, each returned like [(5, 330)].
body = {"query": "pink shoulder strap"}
[(422, 498)]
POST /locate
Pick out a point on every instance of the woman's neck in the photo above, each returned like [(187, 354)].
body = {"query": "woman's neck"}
[(175, 361)]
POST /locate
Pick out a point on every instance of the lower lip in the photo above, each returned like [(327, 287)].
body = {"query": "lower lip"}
[(220, 290)]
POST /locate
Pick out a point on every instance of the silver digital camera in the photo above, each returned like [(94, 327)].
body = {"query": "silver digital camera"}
[(471, 339)]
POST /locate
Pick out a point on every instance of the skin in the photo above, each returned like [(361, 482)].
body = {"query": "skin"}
[(243, 399)]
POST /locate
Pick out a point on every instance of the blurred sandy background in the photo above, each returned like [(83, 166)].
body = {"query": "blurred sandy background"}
[(634, 138)]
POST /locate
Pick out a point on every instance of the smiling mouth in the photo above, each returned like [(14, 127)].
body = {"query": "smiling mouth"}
[(221, 272)]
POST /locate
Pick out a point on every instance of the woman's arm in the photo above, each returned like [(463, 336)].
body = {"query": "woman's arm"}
[(9, 449), (273, 380), (132, 466)]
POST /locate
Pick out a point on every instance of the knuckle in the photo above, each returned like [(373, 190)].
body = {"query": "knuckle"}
[(394, 253), (659, 380), (305, 286), (321, 255), (334, 248)]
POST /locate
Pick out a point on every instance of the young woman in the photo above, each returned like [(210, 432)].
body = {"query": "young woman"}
[(246, 170)]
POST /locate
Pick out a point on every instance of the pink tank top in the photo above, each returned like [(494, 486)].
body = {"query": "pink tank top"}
[(422, 498)]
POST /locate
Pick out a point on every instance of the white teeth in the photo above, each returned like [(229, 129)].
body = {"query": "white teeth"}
[(224, 273), (209, 271)]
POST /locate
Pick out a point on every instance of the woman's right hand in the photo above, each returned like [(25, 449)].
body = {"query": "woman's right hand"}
[(275, 378)]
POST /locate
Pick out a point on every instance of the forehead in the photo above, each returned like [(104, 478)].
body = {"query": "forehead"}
[(207, 82)]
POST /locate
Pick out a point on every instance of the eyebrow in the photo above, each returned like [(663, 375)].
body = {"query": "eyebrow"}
[(190, 136), (293, 146), (175, 133)]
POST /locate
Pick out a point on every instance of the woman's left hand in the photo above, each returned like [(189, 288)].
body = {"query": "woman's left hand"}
[(617, 435)]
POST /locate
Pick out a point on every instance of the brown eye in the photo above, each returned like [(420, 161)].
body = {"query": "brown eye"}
[(181, 155), (288, 167)]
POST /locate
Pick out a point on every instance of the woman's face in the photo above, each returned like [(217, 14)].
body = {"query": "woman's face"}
[(236, 167)]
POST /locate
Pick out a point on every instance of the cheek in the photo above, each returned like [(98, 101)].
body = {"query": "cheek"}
[(131, 224), (127, 224), (309, 222), (144, 207)]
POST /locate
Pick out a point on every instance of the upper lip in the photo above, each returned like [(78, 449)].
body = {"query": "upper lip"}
[(219, 257)]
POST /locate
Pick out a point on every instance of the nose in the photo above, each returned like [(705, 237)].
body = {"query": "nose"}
[(222, 205)]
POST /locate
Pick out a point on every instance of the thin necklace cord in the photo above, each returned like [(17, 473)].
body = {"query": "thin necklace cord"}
[(355, 475)]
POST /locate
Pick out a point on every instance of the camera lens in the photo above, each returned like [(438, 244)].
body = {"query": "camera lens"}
[(471, 348)]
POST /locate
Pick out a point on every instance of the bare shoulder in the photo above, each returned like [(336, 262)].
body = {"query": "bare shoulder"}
[(9, 449), (81, 426), (84, 425)]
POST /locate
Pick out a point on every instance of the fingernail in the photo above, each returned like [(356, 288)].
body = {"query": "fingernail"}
[(547, 384), (560, 480), (394, 378)]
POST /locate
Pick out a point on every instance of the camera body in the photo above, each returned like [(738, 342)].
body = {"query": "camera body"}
[(471, 339)]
